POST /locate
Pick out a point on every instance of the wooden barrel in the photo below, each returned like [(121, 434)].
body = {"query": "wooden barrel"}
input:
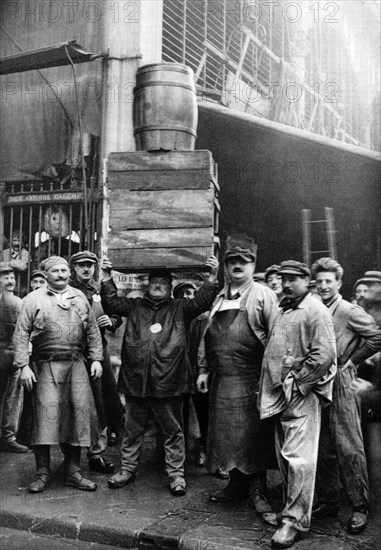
[(165, 108)]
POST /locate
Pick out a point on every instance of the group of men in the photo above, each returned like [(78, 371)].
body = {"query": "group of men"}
[(279, 364)]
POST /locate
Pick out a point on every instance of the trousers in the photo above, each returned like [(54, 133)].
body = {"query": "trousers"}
[(11, 400), (167, 412), (341, 448), (297, 432)]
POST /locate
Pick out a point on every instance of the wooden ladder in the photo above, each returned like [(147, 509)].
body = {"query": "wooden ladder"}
[(330, 231)]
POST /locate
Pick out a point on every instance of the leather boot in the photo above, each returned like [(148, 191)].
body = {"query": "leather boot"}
[(43, 473), (72, 470), (257, 498)]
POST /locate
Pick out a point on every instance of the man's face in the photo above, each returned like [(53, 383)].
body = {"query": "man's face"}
[(58, 276), (188, 292), (15, 242), (7, 281), (372, 295), (84, 271), (294, 285), (159, 288), (360, 292), (240, 271), (327, 285), (274, 281), (37, 282)]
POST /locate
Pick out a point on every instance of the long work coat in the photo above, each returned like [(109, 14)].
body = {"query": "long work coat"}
[(63, 404)]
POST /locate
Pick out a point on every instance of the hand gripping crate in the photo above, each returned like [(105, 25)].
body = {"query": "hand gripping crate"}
[(163, 210)]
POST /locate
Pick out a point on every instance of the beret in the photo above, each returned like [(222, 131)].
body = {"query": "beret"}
[(292, 267), (160, 273), (46, 264)]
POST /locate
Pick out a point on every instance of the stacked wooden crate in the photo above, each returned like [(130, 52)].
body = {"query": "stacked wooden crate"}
[(163, 210)]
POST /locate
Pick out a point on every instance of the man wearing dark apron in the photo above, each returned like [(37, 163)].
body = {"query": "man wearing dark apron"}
[(234, 343)]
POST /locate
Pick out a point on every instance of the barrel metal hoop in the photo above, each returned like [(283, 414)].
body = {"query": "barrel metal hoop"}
[(152, 83), (173, 128)]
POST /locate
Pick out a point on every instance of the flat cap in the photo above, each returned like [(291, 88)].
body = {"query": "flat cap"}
[(369, 277), (5, 267), (272, 269), (240, 247), (84, 256), (180, 287), (237, 252), (37, 273), (259, 276), (292, 267)]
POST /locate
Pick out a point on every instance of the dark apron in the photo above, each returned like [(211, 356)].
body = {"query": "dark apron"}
[(237, 438)]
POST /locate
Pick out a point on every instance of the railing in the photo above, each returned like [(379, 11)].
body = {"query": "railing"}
[(244, 63)]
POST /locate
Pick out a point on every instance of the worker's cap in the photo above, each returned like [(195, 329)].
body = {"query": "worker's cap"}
[(246, 254), (50, 262), (272, 269), (5, 267), (259, 277), (160, 274), (369, 277), (180, 287), (240, 247), (292, 267), (37, 273), (84, 256)]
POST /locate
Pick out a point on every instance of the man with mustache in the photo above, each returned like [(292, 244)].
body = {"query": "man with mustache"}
[(341, 450), (299, 365), (60, 325), (84, 266), (156, 370), (235, 338), (11, 392)]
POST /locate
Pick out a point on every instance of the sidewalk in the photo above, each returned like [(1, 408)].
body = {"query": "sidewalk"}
[(145, 515)]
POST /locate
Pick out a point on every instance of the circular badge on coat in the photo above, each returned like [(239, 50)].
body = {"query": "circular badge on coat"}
[(156, 328)]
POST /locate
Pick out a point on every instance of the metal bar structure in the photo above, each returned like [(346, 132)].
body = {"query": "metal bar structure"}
[(306, 219)]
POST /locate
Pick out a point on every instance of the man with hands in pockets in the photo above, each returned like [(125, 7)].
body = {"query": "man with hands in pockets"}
[(298, 369)]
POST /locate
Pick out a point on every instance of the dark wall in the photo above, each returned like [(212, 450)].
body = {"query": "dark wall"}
[(269, 173)]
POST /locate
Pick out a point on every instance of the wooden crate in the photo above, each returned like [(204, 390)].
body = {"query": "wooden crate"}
[(163, 210)]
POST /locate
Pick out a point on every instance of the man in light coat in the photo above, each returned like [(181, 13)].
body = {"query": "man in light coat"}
[(299, 365)]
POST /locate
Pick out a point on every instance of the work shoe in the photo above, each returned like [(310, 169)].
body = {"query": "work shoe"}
[(323, 510), (177, 486), (358, 522), (221, 473), (77, 480), (259, 502), (228, 494), (121, 479), (40, 481), (13, 447), (285, 536), (101, 465)]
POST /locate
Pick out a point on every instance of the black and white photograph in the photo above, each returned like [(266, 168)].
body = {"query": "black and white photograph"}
[(190, 274)]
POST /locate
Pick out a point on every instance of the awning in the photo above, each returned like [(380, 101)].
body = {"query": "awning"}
[(50, 56)]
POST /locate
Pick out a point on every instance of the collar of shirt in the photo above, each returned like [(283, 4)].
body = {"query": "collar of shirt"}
[(61, 296), (225, 292), (334, 302)]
